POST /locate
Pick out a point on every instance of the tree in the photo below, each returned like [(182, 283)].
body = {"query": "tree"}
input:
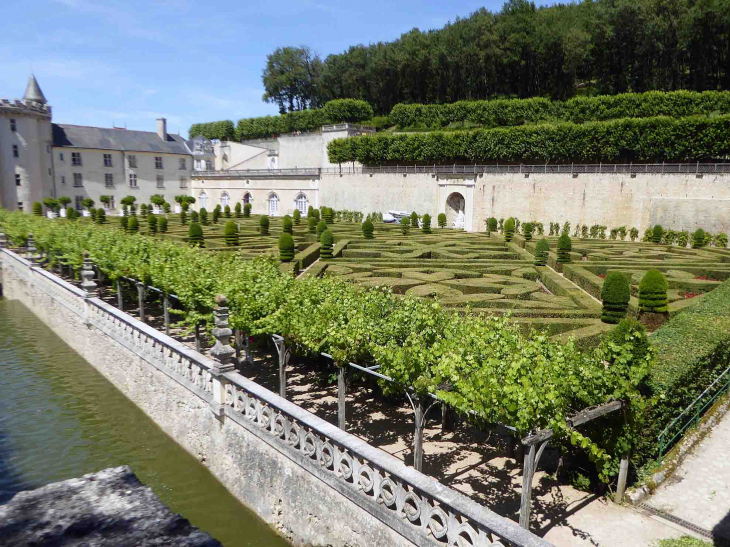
[(65, 200), (291, 79), (88, 203), (231, 234)]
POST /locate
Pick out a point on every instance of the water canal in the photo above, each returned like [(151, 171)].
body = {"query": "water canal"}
[(60, 418)]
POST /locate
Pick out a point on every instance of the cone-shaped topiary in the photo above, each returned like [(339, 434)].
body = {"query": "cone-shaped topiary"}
[(328, 215), (183, 217), (264, 225), (92, 214), (286, 225), (152, 224), (491, 225), (321, 227), (227, 211), (527, 228), (414, 219), (656, 234), (143, 210), (312, 225), (286, 247), (367, 229), (162, 225), (615, 295), (132, 225), (247, 210), (315, 214), (405, 224), (100, 216), (698, 239), (509, 229), (542, 248), (195, 235), (203, 216), (565, 245), (231, 234), (194, 217), (38, 208), (297, 217), (132, 210), (442, 220), (123, 221), (327, 240), (238, 210), (426, 224), (653, 292), (310, 211), (216, 214)]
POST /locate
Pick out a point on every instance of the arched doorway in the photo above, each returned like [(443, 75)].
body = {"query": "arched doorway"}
[(455, 205)]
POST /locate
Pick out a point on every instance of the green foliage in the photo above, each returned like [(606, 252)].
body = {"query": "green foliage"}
[(698, 239), (327, 240), (88, 203), (615, 295), (297, 216), (128, 200), (238, 210), (653, 292), (565, 245), (315, 214), (328, 215), (286, 247), (348, 110), (37, 208), (648, 139), (216, 214), (656, 234), (162, 225), (194, 216), (634, 234), (166, 208), (509, 229), (92, 215), (247, 210), (721, 240), (100, 216), (227, 211), (51, 204), (222, 130), (264, 225), (491, 225), (123, 221), (287, 225), (414, 219), (367, 229), (426, 224), (183, 217), (442, 220), (684, 541), (405, 225), (71, 213), (321, 227), (143, 210), (132, 225), (152, 224), (203, 215), (156, 199), (65, 200), (195, 235), (542, 248), (312, 225), (527, 230), (231, 234)]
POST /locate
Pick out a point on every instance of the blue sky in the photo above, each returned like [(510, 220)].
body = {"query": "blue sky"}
[(104, 62)]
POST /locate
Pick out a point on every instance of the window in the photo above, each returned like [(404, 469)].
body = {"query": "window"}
[(273, 205), (132, 161), (208, 165), (78, 200), (108, 180), (302, 203), (247, 198), (158, 162), (182, 164), (17, 180), (15, 151), (60, 156), (20, 206), (63, 180), (160, 181), (13, 127), (78, 180), (107, 160), (203, 200), (132, 180), (111, 202), (75, 158), (225, 200), (183, 182)]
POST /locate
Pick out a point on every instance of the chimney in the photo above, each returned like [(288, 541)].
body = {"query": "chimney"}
[(162, 128)]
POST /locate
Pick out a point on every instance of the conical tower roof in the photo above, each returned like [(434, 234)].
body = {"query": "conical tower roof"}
[(33, 91)]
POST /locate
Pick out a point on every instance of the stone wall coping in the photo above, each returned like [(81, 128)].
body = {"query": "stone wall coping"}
[(17, 257), (58, 281)]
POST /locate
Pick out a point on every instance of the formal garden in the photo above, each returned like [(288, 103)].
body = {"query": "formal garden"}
[(505, 329)]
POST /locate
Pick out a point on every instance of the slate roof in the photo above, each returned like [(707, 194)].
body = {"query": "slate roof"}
[(33, 91), (102, 138)]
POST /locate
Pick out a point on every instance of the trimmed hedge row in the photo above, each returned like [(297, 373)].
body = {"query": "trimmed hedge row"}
[(222, 130), (629, 139), (512, 112)]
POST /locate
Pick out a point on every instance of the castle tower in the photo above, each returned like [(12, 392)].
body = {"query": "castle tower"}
[(26, 149)]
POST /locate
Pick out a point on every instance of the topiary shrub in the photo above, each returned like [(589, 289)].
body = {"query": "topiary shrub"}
[(297, 216), (143, 210), (227, 211), (615, 295), (442, 220), (203, 216), (216, 214), (123, 221), (721, 240), (698, 239), (426, 224), (195, 235), (183, 217), (310, 211), (238, 210), (286, 247), (152, 224), (656, 234), (653, 292), (405, 224), (321, 227), (565, 245), (247, 210), (414, 219), (328, 215), (286, 225), (162, 225), (166, 208), (542, 248), (92, 215), (327, 240), (634, 234), (132, 225), (527, 229), (194, 216), (231, 234), (264, 225), (38, 208), (509, 229), (100, 216), (367, 229), (315, 214), (312, 225), (491, 225)]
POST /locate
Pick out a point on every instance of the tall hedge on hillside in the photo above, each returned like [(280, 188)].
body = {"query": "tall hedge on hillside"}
[(222, 130), (628, 139), (513, 112)]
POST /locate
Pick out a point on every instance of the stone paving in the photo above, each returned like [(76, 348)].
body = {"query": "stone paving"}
[(699, 491)]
